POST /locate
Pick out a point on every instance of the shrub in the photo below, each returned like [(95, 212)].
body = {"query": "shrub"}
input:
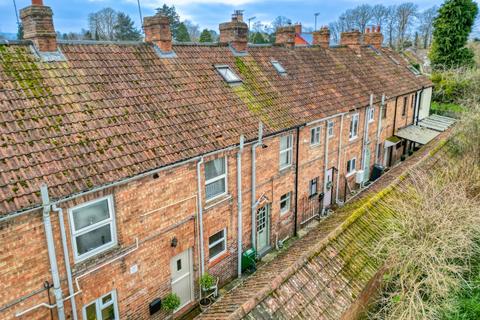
[(171, 302), (207, 281)]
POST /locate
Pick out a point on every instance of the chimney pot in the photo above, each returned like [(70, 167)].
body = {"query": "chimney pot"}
[(374, 38), (367, 30), (37, 22), (157, 30), (235, 32), (298, 28)]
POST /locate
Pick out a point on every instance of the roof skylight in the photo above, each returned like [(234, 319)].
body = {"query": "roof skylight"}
[(280, 69), (228, 75), (414, 70)]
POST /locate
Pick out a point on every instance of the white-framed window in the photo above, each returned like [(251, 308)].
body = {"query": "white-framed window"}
[(354, 126), (217, 244), (104, 308), (286, 151), (315, 135), (280, 69), (330, 126), (215, 178), (351, 166), (313, 187), (228, 75), (93, 227), (371, 114), (285, 203)]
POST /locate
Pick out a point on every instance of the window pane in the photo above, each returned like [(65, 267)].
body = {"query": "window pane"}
[(217, 236), (107, 299), (284, 159), (90, 214), (91, 312), (93, 239), (214, 189), (214, 168), (285, 142), (108, 313), (278, 67)]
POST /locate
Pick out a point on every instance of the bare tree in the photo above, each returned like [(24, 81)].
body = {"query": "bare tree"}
[(362, 15), (405, 15), (426, 25), (280, 21), (379, 15), (193, 30), (102, 24)]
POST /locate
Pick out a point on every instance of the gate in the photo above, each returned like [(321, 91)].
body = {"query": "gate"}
[(310, 209)]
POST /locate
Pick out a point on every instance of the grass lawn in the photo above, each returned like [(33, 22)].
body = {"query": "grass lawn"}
[(466, 303), (452, 107)]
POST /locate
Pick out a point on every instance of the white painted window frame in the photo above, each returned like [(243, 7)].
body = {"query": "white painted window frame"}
[(211, 245), (352, 172), (288, 150), (99, 306), (110, 221), (330, 128), (288, 199), (356, 118), (279, 68), (217, 178), (220, 69), (314, 132), (371, 114)]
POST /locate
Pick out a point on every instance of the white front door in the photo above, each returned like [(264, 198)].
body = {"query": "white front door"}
[(263, 228), (181, 271), (327, 198)]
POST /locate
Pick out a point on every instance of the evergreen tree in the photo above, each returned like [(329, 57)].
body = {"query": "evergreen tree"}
[(173, 16), (182, 33), (452, 28), (258, 38), (20, 32), (206, 36), (125, 30)]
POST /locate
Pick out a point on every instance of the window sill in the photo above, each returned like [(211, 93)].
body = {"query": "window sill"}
[(286, 213), (98, 258), (217, 200), (313, 146), (285, 168), (353, 139), (348, 175), (218, 259)]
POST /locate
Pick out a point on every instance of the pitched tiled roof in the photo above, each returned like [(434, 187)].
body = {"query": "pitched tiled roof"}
[(112, 111)]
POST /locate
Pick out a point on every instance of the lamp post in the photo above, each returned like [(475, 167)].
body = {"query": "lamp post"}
[(316, 15)]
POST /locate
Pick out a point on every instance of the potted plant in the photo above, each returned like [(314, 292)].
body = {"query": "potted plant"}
[(207, 283), (171, 302)]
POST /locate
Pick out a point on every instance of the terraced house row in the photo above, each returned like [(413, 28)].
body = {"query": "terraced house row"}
[(128, 170)]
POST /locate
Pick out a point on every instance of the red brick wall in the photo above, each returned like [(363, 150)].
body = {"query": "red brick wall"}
[(154, 211)]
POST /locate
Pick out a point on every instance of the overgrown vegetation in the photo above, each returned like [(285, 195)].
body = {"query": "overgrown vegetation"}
[(431, 248)]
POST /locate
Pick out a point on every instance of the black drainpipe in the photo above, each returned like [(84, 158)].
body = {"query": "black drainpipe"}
[(296, 185)]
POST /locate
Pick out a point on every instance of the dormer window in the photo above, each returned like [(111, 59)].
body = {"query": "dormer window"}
[(280, 69), (228, 75), (414, 70)]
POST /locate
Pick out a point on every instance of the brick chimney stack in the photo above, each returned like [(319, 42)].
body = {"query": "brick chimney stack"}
[(351, 39), (322, 37), (298, 28), (373, 37), (157, 30), (235, 32), (286, 36), (38, 26)]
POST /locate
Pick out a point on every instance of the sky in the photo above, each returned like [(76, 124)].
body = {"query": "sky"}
[(71, 15)]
